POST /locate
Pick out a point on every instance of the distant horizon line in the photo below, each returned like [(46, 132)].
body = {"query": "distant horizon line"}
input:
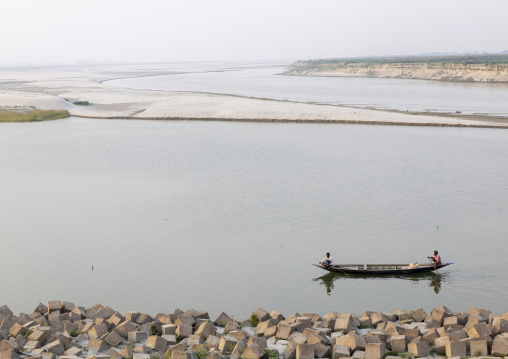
[(79, 63)]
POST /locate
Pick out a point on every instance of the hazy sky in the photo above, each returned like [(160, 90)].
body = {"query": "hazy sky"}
[(152, 30)]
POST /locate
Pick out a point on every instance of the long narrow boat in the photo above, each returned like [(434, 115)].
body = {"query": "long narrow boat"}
[(381, 268)]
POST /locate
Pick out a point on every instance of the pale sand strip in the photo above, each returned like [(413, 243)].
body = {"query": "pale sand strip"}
[(49, 89)]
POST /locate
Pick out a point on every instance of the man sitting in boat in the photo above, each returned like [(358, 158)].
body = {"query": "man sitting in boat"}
[(436, 259), (328, 261)]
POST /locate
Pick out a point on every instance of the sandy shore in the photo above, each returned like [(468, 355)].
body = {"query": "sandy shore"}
[(57, 88)]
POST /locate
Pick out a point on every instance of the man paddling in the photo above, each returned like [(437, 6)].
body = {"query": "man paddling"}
[(328, 261), (436, 259)]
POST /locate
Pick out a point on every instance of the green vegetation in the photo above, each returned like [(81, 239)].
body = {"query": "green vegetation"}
[(28, 332), (155, 331), (201, 353), (82, 103), (271, 354), (254, 319), (34, 115), (390, 354), (439, 60), (72, 333)]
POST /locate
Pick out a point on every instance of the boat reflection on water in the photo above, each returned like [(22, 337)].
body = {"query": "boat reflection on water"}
[(434, 280)]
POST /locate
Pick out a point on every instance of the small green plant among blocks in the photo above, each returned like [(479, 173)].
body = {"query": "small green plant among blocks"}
[(201, 353), (72, 333), (271, 354), (28, 332), (155, 331), (254, 320)]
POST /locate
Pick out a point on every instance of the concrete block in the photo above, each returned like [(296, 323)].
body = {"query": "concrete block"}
[(356, 342), (239, 349), (55, 347), (450, 322), (455, 348), (132, 316), (39, 336), (126, 352), (253, 351), (305, 351), (67, 307), (419, 349), (112, 354), (500, 346), (180, 355), (96, 346), (377, 318), (31, 345), (17, 329), (124, 328), (144, 318), (156, 343), (479, 330), (205, 330), (478, 348), (284, 331), (261, 341), (222, 320), (227, 344), (194, 339), (9, 355), (321, 350), (212, 342), (419, 315), (440, 345), (168, 329), (238, 335), (289, 352), (359, 354), (430, 335), (134, 336), (412, 333), (263, 326), (230, 326), (375, 351), (185, 318), (343, 322), (74, 351), (183, 330), (457, 335), (170, 338), (341, 351), (499, 326), (98, 330), (141, 349), (141, 356), (261, 314), (398, 343), (54, 306), (297, 338), (113, 339)]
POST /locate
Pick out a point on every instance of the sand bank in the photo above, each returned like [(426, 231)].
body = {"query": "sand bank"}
[(58, 88)]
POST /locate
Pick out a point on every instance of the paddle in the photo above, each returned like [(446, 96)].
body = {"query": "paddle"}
[(433, 264)]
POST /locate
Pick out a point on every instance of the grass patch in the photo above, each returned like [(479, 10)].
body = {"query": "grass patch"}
[(34, 115), (82, 103)]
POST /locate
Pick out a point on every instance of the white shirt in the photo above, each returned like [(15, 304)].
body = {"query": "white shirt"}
[(328, 259)]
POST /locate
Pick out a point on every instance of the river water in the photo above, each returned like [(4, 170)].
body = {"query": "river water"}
[(230, 216), (262, 81)]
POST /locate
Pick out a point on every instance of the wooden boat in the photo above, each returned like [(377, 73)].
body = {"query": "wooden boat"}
[(377, 269)]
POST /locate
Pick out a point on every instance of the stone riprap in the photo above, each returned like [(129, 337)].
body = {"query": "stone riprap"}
[(62, 330)]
